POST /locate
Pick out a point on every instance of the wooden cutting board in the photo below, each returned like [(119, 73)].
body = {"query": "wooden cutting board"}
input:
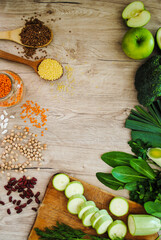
[(53, 208)]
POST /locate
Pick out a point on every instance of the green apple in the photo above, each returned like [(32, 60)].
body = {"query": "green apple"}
[(138, 43), (135, 14), (158, 38)]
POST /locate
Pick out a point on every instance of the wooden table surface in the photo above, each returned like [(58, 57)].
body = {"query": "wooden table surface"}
[(88, 106)]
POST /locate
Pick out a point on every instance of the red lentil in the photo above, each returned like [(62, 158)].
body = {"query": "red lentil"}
[(35, 114), (17, 94), (5, 85)]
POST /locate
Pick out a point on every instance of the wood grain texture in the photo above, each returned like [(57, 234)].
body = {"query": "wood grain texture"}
[(54, 208), (88, 108)]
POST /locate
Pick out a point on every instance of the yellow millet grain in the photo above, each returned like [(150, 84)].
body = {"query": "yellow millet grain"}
[(50, 69)]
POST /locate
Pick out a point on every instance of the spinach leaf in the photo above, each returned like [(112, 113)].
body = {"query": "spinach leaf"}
[(126, 174), (115, 158), (131, 186), (143, 167), (153, 208), (108, 180)]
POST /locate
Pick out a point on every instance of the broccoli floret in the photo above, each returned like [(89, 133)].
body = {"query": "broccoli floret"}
[(148, 81)]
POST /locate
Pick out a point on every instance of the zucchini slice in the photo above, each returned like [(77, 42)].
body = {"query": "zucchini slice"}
[(117, 229), (119, 206), (60, 181), (74, 187)]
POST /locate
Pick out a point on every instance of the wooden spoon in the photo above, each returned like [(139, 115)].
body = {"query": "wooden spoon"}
[(14, 35), (11, 57)]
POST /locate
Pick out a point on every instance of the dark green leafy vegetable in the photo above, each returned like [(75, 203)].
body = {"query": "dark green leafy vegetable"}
[(65, 232), (146, 124), (115, 158), (147, 190), (148, 80), (139, 148), (143, 167), (126, 174), (153, 208), (147, 137), (108, 180)]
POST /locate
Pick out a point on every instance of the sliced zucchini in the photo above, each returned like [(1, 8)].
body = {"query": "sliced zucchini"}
[(74, 187), (119, 206), (74, 202), (117, 229), (60, 181), (86, 217), (85, 206), (97, 216), (102, 224), (158, 38), (142, 224)]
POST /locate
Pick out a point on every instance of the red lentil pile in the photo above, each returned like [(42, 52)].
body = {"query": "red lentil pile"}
[(36, 115), (24, 187), (5, 85)]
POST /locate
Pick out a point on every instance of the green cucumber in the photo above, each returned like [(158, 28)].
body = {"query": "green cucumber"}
[(83, 207), (74, 187), (74, 203), (117, 229), (102, 224), (119, 206), (86, 217), (60, 181), (99, 214), (142, 225)]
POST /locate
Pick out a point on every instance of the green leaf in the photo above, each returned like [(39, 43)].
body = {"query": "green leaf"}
[(145, 114), (143, 167), (137, 125), (115, 158), (131, 186), (139, 148), (108, 180), (153, 139), (126, 174), (153, 208)]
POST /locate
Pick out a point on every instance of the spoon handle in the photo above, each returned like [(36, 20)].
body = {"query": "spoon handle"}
[(11, 57), (5, 35)]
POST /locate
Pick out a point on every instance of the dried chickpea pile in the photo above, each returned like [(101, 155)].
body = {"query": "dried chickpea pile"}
[(20, 142)]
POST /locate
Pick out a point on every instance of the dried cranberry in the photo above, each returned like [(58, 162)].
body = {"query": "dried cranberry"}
[(16, 208), (19, 210), (18, 202), (29, 201), (37, 194), (37, 200), (22, 196), (10, 199), (8, 211), (12, 179), (14, 201), (6, 187), (2, 203), (23, 205), (20, 180), (9, 192), (34, 179), (34, 209)]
